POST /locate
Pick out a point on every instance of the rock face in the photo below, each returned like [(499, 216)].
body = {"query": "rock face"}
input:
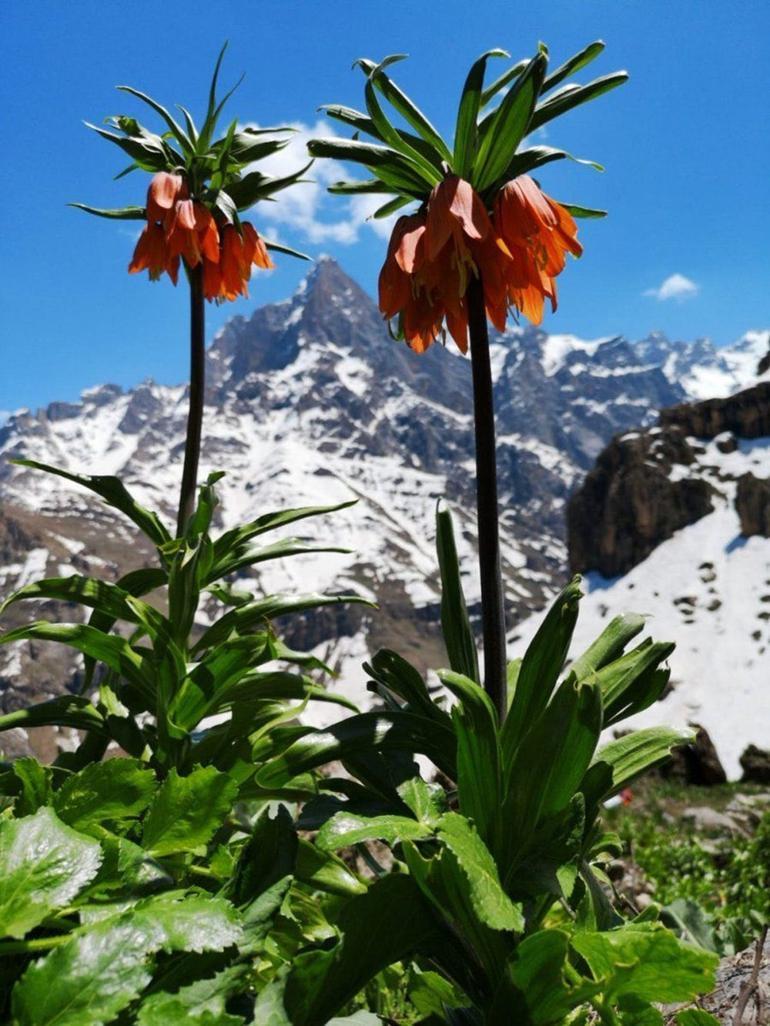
[(752, 500), (696, 763), (647, 485), (746, 414), (629, 503)]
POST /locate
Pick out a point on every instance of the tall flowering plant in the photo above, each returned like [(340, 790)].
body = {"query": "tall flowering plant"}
[(484, 241), (200, 187)]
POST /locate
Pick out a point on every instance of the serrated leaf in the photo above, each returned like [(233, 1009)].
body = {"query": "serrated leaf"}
[(491, 904), (201, 1003), (187, 811), (346, 828), (648, 962), (116, 790), (43, 865)]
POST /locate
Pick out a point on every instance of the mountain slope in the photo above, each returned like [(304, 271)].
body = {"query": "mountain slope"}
[(310, 401)]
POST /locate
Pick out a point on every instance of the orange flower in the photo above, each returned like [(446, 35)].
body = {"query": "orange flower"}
[(152, 254), (431, 258), (538, 233), (228, 276), (162, 194)]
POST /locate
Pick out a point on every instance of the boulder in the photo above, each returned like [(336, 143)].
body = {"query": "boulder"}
[(755, 763), (695, 763), (752, 501)]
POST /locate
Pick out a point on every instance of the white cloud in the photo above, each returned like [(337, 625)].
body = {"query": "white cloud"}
[(307, 207), (676, 286)]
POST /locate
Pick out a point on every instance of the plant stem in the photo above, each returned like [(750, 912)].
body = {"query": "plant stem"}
[(492, 604), (24, 947), (192, 446)]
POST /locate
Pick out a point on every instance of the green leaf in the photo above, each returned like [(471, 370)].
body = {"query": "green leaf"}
[(175, 127), (378, 928), (385, 162), (550, 763), (509, 125), (323, 871), (113, 791), (572, 96), (406, 108), (478, 755), (587, 212), (102, 968), (43, 865), (245, 617), (34, 786), (575, 63), (621, 761), (64, 711), (500, 83), (108, 598), (540, 668), (116, 214), (187, 811), (466, 129), (395, 731), (632, 683), (490, 902), (609, 645), (115, 651), (646, 961), (115, 494), (201, 1003), (148, 151), (696, 1017), (346, 828), (425, 168), (537, 971), (455, 623)]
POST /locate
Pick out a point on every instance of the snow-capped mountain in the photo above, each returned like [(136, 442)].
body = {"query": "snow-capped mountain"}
[(310, 401)]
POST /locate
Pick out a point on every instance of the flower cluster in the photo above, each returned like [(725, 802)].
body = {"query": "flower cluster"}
[(517, 250), (181, 228)]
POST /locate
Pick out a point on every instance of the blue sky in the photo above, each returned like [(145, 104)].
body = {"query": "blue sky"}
[(685, 144)]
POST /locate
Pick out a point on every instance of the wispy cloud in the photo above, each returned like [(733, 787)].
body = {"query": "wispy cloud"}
[(307, 208), (676, 286)]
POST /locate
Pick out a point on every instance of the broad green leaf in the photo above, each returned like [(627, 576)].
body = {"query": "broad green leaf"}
[(116, 214), (378, 928), (268, 856), (382, 161), (187, 811), (648, 962), (540, 668), (88, 980), (633, 682), (323, 871), (111, 791), (103, 967), (346, 828), (621, 761), (466, 129), (43, 865), (421, 165), (551, 761), (513, 72), (115, 494), (696, 1017), (398, 676), (575, 63), (201, 1003), (572, 96), (491, 903), (537, 972), (455, 623)]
